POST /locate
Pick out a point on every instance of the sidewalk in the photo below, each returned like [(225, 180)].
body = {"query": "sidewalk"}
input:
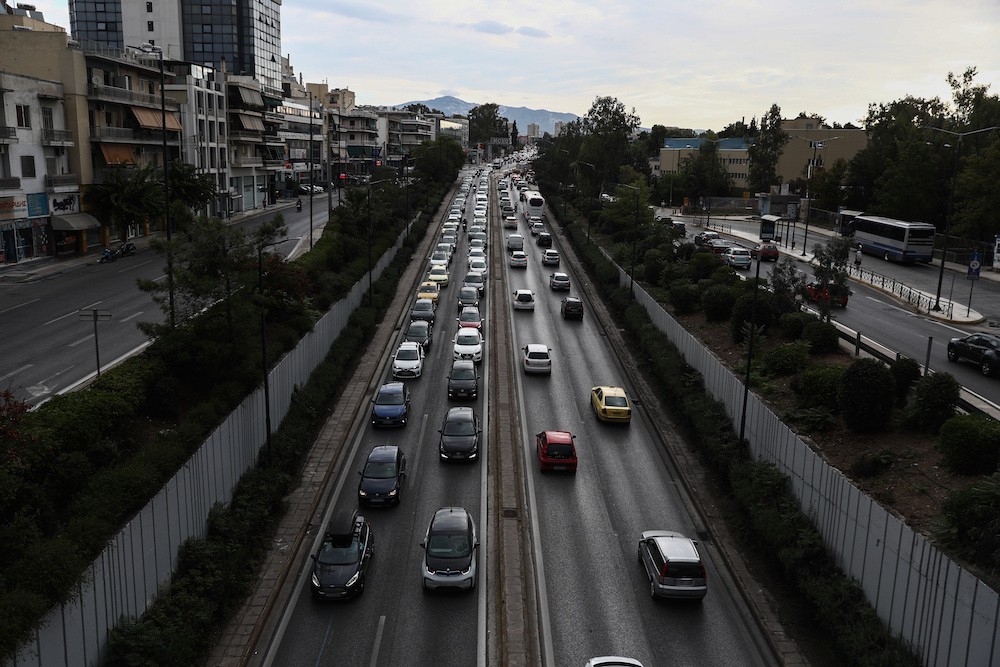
[(950, 311), (28, 270)]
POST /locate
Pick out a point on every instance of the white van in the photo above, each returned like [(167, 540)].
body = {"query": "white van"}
[(515, 242)]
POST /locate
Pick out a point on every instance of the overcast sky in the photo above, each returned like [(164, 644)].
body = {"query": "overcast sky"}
[(695, 64)]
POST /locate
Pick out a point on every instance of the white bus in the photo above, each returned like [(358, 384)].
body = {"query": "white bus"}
[(890, 239), (534, 204)]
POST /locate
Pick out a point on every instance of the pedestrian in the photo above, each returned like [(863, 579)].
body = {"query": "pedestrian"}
[(857, 257)]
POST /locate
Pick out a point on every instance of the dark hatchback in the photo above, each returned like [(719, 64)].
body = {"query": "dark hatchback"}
[(450, 549), (419, 331), (543, 240), (391, 405), (571, 308), (459, 435), (464, 380), (982, 349), (383, 476), (423, 309), (340, 564)]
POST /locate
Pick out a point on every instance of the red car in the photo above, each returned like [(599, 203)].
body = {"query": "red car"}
[(767, 252), (830, 293), (556, 451), (719, 246)]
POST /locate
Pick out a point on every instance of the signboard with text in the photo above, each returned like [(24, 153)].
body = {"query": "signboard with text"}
[(13, 208)]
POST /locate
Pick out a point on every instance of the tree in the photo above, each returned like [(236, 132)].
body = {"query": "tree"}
[(829, 266), (826, 188), (766, 150), (513, 137), (975, 188), (606, 131), (786, 283), (194, 189), (438, 161), (418, 107), (126, 197), (485, 123)]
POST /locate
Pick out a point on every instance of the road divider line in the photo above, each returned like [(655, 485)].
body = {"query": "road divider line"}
[(71, 313), (25, 303)]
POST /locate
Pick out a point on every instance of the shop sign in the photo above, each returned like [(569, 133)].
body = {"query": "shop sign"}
[(64, 204), (12, 208)]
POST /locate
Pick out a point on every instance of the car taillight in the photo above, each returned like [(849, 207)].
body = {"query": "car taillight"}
[(704, 575), (663, 571)]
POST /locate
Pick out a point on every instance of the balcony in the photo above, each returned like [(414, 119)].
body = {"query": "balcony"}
[(112, 134), (62, 181), (12, 183), (125, 96), (244, 135), (52, 137), (274, 164), (248, 161), (8, 134)]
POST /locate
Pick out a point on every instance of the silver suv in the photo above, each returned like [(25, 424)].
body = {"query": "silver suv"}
[(673, 565)]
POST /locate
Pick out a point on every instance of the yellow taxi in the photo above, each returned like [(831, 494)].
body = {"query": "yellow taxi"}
[(439, 275), (429, 290), (611, 404)]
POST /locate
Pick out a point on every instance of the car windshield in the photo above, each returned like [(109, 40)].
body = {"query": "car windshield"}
[(389, 398), (339, 555), (449, 546), (417, 329), (407, 354), (463, 374), (616, 401), (459, 428), (468, 339), (380, 470), (423, 306), (470, 317)]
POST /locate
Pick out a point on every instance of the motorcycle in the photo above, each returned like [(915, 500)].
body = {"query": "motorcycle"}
[(108, 255), (126, 248), (298, 205)]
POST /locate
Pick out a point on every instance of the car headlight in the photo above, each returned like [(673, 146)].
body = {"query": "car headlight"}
[(362, 493), (393, 492), (468, 569), (315, 581), (353, 580)]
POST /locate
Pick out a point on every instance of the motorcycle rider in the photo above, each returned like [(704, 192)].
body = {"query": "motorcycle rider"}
[(298, 204)]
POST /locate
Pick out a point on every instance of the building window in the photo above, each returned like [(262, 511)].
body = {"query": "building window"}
[(149, 6), (23, 115), (149, 26), (206, 27), (27, 166), (206, 9)]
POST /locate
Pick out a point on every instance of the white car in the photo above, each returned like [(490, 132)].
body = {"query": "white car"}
[(524, 299), (468, 345), (550, 257), (440, 258), (537, 228), (477, 264), (408, 362), (477, 253), (518, 260), (537, 359)]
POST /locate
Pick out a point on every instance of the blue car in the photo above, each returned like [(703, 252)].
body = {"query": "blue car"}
[(391, 405)]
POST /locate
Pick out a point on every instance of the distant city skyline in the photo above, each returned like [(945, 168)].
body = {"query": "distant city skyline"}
[(702, 65)]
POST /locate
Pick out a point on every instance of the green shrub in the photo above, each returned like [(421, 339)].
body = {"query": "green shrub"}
[(870, 464), (972, 522), (685, 298), (813, 420), (865, 396), (822, 336), (970, 444), (817, 386), (786, 359), (934, 400), (791, 324), (717, 303), (762, 313), (703, 264), (905, 372)]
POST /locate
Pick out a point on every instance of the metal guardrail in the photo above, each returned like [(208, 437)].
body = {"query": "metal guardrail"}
[(922, 301)]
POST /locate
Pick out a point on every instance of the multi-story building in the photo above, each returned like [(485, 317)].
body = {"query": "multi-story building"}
[(457, 129), (813, 144), (249, 185), (533, 131), (733, 153), (243, 34), (303, 136), (357, 136), (400, 131)]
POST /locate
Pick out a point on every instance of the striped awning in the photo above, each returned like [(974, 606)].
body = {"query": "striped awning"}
[(117, 154)]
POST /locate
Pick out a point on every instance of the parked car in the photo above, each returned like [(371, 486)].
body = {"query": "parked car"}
[(518, 260), (611, 404), (537, 359), (383, 476), (559, 281), (555, 451), (524, 300), (766, 252), (672, 565), (423, 309), (340, 564), (737, 258), (391, 405), (831, 293), (419, 331), (982, 349), (463, 382), (571, 308), (468, 344), (408, 362), (451, 550), (459, 435)]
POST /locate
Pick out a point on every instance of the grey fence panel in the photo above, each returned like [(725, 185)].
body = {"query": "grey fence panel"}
[(943, 611)]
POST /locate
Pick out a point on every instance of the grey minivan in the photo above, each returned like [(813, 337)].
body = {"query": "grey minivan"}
[(672, 565)]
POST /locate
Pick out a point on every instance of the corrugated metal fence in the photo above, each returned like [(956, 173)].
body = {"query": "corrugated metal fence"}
[(124, 580), (947, 614)]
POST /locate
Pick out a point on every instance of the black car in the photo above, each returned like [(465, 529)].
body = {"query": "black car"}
[(571, 308), (450, 551), (419, 331), (459, 435), (467, 296), (464, 379), (340, 564), (383, 476), (543, 240), (979, 348), (423, 309), (391, 405)]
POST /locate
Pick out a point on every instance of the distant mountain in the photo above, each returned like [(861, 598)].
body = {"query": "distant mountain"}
[(546, 120)]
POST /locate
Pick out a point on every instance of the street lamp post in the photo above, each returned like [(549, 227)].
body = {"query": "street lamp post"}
[(589, 213), (312, 171), (753, 331), (167, 222), (951, 199), (635, 240), (816, 145), (369, 202)]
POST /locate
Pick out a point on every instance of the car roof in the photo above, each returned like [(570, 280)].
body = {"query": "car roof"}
[(463, 413), (429, 283), (572, 299), (393, 387), (420, 324), (410, 344), (383, 453), (611, 390), (537, 347), (564, 437), (560, 274), (450, 520), (673, 545), (463, 363)]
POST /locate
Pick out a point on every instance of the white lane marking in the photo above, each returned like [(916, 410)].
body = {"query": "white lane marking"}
[(131, 317), (378, 641), (15, 372), (55, 375), (7, 310), (82, 340), (133, 267), (71, 314)]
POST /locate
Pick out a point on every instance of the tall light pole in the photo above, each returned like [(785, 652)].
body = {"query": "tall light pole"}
[(312, 171), (951, 199), (167, 222), (635, 239), (753, 335), (715, 162), (589, 213), (816, 145), (370, 184)]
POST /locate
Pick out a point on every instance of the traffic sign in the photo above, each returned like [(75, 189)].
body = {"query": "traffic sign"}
[(974, 266)]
